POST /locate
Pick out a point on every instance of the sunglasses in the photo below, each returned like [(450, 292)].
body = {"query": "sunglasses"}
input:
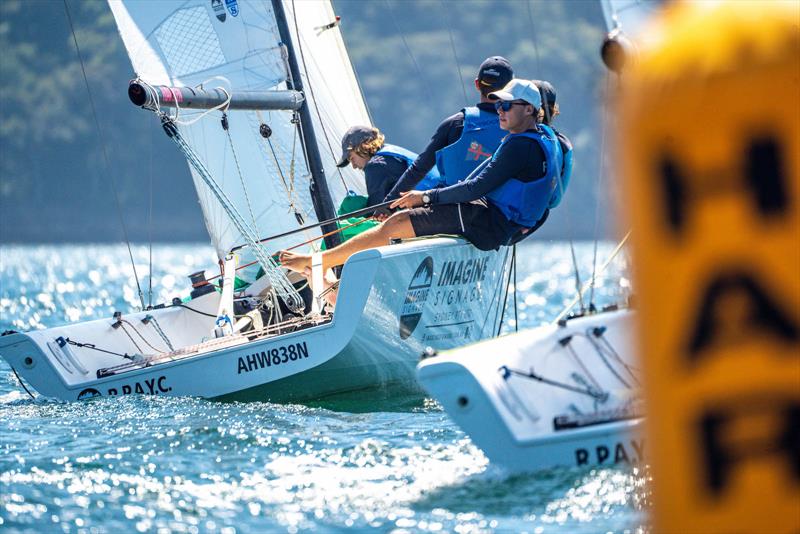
[(505, 105)]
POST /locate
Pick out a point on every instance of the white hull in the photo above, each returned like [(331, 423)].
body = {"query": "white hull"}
[(512, 418), (393, 302)]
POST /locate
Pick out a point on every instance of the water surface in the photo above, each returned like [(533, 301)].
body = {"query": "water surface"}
[(190, 465)]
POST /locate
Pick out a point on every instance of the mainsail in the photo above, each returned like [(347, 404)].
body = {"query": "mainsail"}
[(236, 45)]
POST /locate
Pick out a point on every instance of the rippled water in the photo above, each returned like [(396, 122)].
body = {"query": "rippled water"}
[(190, 465)]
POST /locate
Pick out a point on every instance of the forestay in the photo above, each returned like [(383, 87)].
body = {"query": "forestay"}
[(235, 44)]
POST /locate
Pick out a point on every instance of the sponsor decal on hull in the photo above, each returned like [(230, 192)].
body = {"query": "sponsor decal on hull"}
[(458, 286), (416, 297), (627, 452)]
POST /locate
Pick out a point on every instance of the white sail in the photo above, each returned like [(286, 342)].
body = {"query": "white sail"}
[(235, 44), (629, 16)]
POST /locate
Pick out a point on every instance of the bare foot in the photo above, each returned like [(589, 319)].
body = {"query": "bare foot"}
[(295, 261)]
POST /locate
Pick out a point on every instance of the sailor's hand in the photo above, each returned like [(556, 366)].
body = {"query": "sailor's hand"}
[(382, 213), (409, 199)]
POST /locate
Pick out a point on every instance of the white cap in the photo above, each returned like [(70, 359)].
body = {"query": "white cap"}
[(518, 89)]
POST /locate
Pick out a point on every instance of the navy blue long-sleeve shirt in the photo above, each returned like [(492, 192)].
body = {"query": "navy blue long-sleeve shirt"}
[(381, 174), (448, 132), (521, 158)]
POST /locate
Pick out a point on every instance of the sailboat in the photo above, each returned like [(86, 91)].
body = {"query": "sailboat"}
[(566, 394), (255, 95)]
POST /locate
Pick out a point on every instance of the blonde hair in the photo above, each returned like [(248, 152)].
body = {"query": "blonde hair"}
[(553, 111), (368, 148)]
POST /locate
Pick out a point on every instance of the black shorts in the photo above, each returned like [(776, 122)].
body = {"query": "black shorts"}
[(484, 225)]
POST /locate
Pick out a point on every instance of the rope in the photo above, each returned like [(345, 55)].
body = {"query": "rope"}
[(161, 333), (21, 383), (277, 278), (610, 348), (408, 49), (139, 334), (323, 236), (585, 369), (105, 152), (223, 105), (455, 55), (94, 347), (122, 325), (602, 355), (507, 371), (314, 98), (195, 311), (294, 204), (239, 169)]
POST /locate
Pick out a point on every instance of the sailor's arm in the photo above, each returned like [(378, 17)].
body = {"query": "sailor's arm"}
[(427, 159)]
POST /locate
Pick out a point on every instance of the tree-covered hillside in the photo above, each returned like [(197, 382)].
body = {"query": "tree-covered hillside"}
[(415, 60)]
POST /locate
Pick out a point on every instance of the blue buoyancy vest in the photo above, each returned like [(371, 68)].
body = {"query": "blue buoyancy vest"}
[(566, 170), (525, 202), (479, 139), (432, 180)]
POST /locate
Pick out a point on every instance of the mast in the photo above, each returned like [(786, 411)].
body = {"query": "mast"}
[(320, 195)]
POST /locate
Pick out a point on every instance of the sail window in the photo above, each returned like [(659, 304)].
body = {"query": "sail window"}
[(189, 42)]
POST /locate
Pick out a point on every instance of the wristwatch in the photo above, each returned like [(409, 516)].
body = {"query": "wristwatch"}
[(426, 199)]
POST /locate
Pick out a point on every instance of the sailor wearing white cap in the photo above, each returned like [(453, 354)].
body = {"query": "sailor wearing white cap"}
[(505, 198)]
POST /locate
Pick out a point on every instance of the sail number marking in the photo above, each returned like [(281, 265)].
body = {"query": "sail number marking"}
[(274, 356)]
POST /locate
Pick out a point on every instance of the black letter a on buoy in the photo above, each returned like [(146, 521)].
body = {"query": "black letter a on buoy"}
[(736, 305)]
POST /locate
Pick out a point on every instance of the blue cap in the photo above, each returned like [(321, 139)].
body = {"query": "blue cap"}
[(495, 72)]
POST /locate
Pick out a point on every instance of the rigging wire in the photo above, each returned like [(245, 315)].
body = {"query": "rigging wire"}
[(410, 53), (600, 173), (505, 301), (535, 43), (105, 152), (602, 269), (313, 97), (455, 55), (277, 278), (570, 233), (514, 266), (150, 226)]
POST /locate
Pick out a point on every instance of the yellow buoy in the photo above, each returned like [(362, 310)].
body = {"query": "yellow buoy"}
[(710, 147)]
